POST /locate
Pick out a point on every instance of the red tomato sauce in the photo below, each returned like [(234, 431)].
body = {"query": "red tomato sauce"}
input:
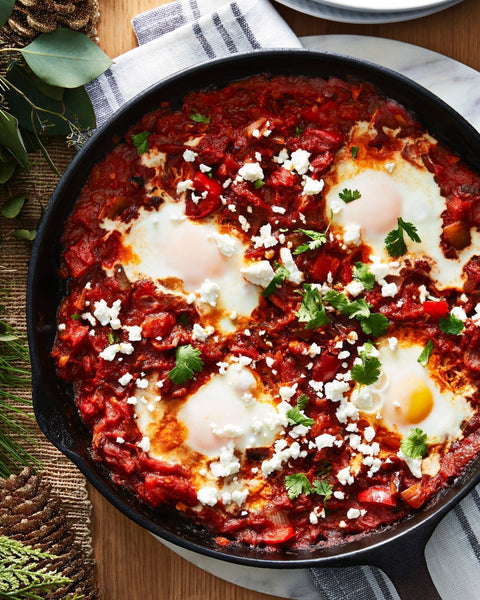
[(230, 126)]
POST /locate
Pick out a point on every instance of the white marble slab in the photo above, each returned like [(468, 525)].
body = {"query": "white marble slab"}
[(459, 86)]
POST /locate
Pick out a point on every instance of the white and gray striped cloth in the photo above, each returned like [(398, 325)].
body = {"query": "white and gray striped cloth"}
[(188, 32)]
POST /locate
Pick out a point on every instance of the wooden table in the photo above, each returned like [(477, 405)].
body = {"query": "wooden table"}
[(132, 565)]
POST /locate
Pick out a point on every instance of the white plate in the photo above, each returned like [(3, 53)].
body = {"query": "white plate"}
[(385, 6), (317, 8)]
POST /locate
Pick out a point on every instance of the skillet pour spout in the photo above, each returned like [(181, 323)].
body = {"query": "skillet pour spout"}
[(399, 550)]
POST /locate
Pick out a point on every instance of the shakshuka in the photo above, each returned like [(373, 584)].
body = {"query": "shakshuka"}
[(273, 314)]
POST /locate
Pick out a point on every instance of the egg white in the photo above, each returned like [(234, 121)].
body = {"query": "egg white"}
[(188, 257)]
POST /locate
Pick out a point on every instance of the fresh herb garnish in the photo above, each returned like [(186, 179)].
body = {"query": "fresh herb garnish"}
[(349, 195), (451, 325), (298, 484), (317, 239), (295, 415), (280, 275), (368, 371), (395, 242), (258, 183), (362, 273), (323, 488), (426, 353), (199, 118), (371, 323), (311, 311), (140, 141), (188, 362), (415, 444), (354, 152)]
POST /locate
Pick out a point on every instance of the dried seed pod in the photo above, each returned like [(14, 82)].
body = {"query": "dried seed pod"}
[(31, 514), (32, 17)]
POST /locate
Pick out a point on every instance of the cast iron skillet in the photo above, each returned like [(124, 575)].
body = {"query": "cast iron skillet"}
[(398, 550)]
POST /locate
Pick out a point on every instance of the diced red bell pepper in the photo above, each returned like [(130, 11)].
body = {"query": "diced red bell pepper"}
[(323, 265), (377, 495), (278, 535), (436, 308), (206, 205)]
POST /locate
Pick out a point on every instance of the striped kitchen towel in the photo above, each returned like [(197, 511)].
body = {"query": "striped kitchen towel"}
[(182, 34)]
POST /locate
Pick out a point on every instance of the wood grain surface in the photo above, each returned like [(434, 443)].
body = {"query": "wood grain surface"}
[(132, 565)]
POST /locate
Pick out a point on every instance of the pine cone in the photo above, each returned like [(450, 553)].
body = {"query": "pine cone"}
[(29, 513), (32, 17)]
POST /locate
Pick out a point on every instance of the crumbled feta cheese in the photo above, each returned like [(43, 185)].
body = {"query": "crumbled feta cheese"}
[(265, 239), (201, 333), (259, 273), (353, 513), (354, 288), (312, 187), (208, 495), (244, 224), (251, 171), (108, 315), (459, 313), (369, 433), (295, 275), (110, 352), (227, 244), (279, 210), (144, 444), (324, 440), (389, 290), (414, 464), (351, 234), (335, 389), (345, 477), (125, 379), (142, 383), (300, 161), (189, 155), (209, 292), (389, 167), (314, 350), (183, 186), (134, 332)]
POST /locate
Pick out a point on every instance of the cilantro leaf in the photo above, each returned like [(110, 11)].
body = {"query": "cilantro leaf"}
[(451, 325), (317, 239), (349, 196), (358, 309), (311, 311), (372, 323), (323, 488), (337, 300), (426, 353), (140, 141), (295, 416), (188, 362), (297, 484), (395, 242), (281, 273), (368, 371), (199, 118), (258, 183), (375, 324), (354, 152), (364, 275), (415, 444)]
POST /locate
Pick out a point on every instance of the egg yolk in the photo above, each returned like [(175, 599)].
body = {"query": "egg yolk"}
[(378, 208), (414, 402)]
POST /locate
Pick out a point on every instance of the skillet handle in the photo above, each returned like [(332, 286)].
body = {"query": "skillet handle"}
[(405, 565)]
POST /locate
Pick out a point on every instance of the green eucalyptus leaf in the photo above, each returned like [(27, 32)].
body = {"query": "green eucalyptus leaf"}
[(65, 58), (11, 208), (75, 105), (6, 9), (7, 169), (11, 138), (25, 234)]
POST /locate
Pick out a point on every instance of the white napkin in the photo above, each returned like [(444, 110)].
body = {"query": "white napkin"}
[(182, 34), (187, 32)]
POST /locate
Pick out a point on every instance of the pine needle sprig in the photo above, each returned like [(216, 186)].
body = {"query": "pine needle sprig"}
[(16, 438), (21, 574)]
